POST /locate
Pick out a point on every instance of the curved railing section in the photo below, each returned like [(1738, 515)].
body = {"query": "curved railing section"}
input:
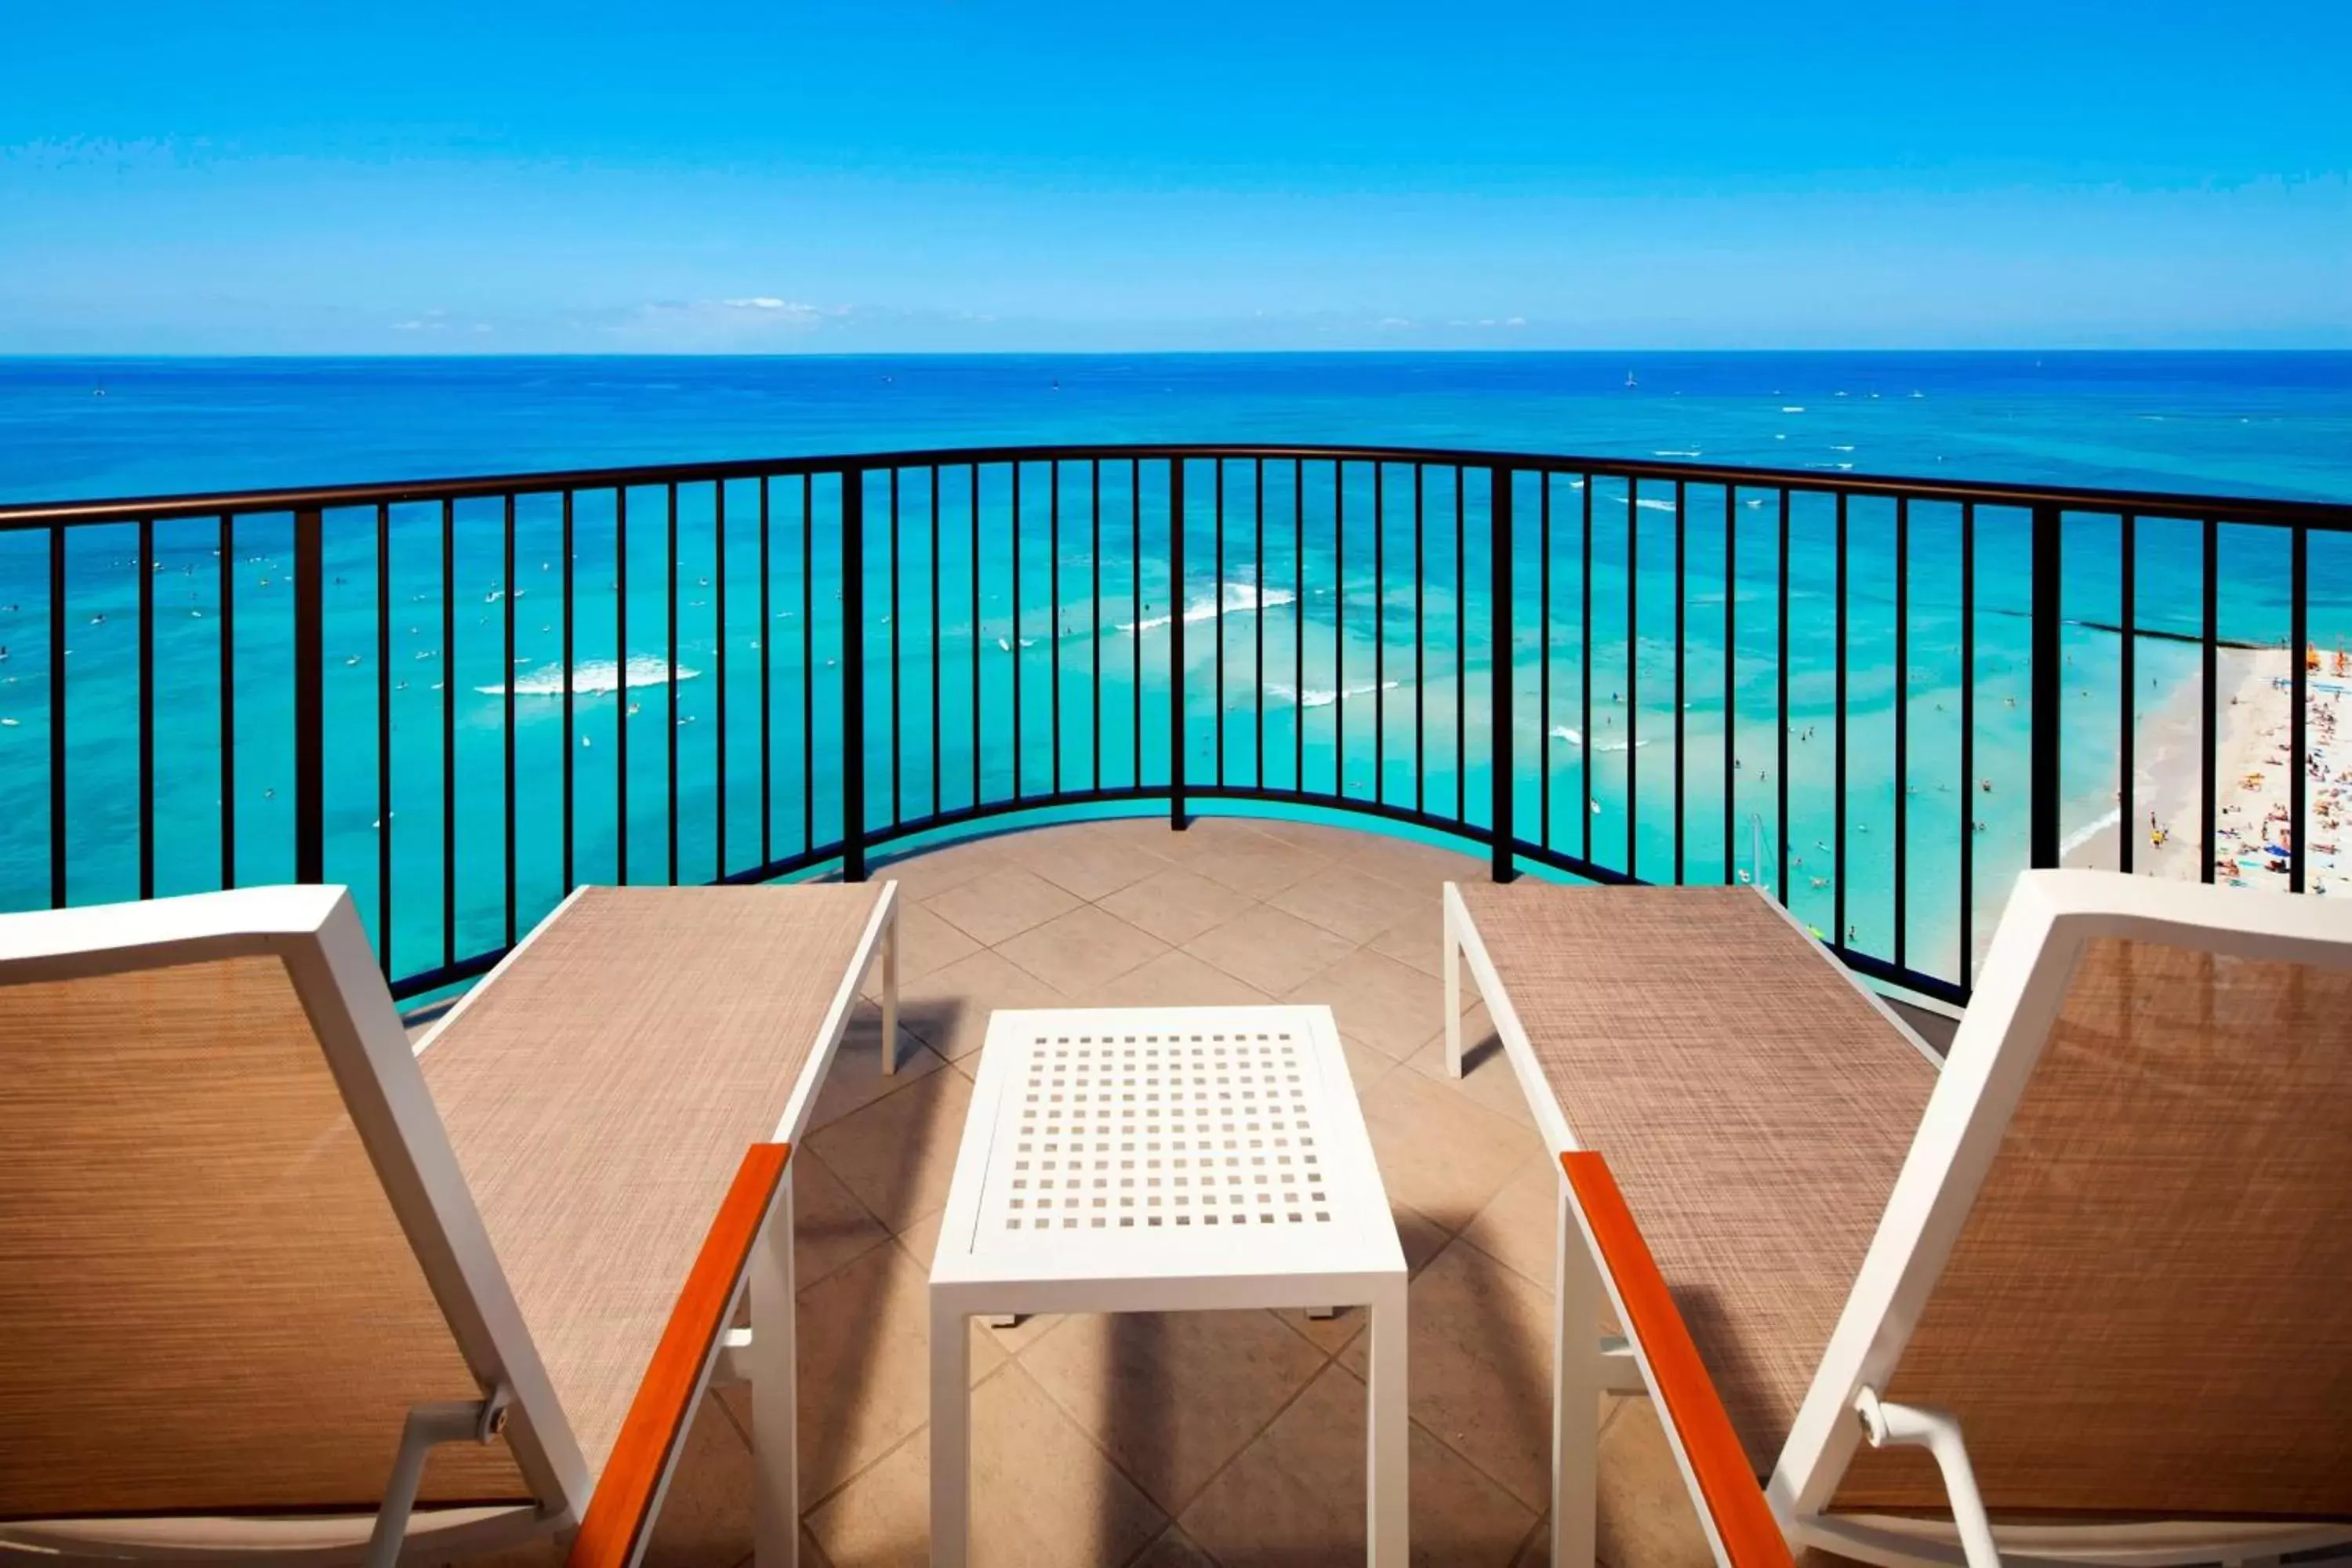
[(1875, 699)]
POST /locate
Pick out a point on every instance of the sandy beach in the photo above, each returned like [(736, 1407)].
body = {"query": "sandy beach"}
[(2254, 822)]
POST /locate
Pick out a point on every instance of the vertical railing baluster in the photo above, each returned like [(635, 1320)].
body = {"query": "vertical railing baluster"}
[(1419, 641), (448, 730), (227, 700), (1730, 681), (853, 674), (309, 701), (1012, 642), (1632, 675), (621, 684), (808, 663), (1461, 654), (2048, 684), (1217, 614), (767, 681), (1839, 936), (976, 651), (571, 742), (1135, 608), (1682, 606), (2298, 756), (2210, 667), (718, 745), (1380, 633), (1902, 725), (1299, 625), (939, 754), (897, 670), (383, 735), (507, 682), (1584, 797), (1501, 663), (1176, 817), (1053, 615), (1967, 741), (1093, 613), (1257, 664), (1339, 629), (58, 715), (1781, 760), (2127, 678), (1543, 654), (146, 708), (669, 630)]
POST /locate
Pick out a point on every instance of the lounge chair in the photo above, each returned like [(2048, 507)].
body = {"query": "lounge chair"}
[(2092, 1279), (278, 1287)]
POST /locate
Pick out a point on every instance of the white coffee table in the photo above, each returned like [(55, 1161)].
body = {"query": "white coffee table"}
[(1162, 1159)]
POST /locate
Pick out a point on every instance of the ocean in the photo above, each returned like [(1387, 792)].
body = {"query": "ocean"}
[(1349, 651)]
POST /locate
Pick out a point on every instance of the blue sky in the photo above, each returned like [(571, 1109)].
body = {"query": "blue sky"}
[(913, 174)]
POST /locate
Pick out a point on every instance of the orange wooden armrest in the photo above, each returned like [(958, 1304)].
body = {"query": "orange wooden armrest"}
[(619, 1514), (1743, 1521)]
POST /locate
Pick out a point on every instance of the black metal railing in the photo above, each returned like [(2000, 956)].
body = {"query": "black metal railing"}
[(209, 689)]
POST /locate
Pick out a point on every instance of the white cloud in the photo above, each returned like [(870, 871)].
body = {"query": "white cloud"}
[(770, 305), (744, 321)]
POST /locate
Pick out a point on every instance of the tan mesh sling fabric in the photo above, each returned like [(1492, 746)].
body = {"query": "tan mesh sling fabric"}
[(600, 1090), (1753, 1105), (207, 1304), (2148, 1308)]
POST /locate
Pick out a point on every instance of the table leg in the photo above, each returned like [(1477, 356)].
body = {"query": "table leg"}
[(1387, 1502), (1576, 1395), (950, 1434), (775, 1400)]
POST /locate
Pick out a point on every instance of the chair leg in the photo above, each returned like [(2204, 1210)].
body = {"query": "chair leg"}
[(775, 1390), (1452, 961), (890, 994), (1387, 1477), (1576, 1396), (950, 1436)]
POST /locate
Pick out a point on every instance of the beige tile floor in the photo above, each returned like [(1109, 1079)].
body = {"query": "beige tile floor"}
[(1232, 1437)]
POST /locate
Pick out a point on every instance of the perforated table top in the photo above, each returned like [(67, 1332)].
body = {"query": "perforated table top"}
[(1178, 1141)]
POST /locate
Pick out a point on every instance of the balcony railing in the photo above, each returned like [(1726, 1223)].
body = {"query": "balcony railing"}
[(1877, 698)]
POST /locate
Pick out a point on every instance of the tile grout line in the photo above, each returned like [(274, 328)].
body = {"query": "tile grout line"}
[(1331, 1359)]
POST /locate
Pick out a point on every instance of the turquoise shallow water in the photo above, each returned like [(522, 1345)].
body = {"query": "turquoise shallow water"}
[(1349, 656)]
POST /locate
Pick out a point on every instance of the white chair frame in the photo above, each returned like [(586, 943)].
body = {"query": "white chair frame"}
[(316, 932), (2051, 917)]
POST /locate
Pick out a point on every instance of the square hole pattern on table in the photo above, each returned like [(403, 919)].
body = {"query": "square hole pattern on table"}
[(1166, 1130)]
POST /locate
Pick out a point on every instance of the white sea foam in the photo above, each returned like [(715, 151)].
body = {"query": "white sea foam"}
[(1646, 504), (1793, 408), (1006, 642), (1239, 599), (1676, 452), (1574, 738), (1323, 696), (591, 678), (2089, 831), (1841, 448)]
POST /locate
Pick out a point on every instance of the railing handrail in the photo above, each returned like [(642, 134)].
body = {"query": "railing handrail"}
[(2321, 514)]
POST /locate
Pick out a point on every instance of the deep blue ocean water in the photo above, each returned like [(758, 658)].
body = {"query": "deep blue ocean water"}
[(1341, 644)]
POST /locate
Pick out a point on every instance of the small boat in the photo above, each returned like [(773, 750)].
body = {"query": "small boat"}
[(1630, 382)]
